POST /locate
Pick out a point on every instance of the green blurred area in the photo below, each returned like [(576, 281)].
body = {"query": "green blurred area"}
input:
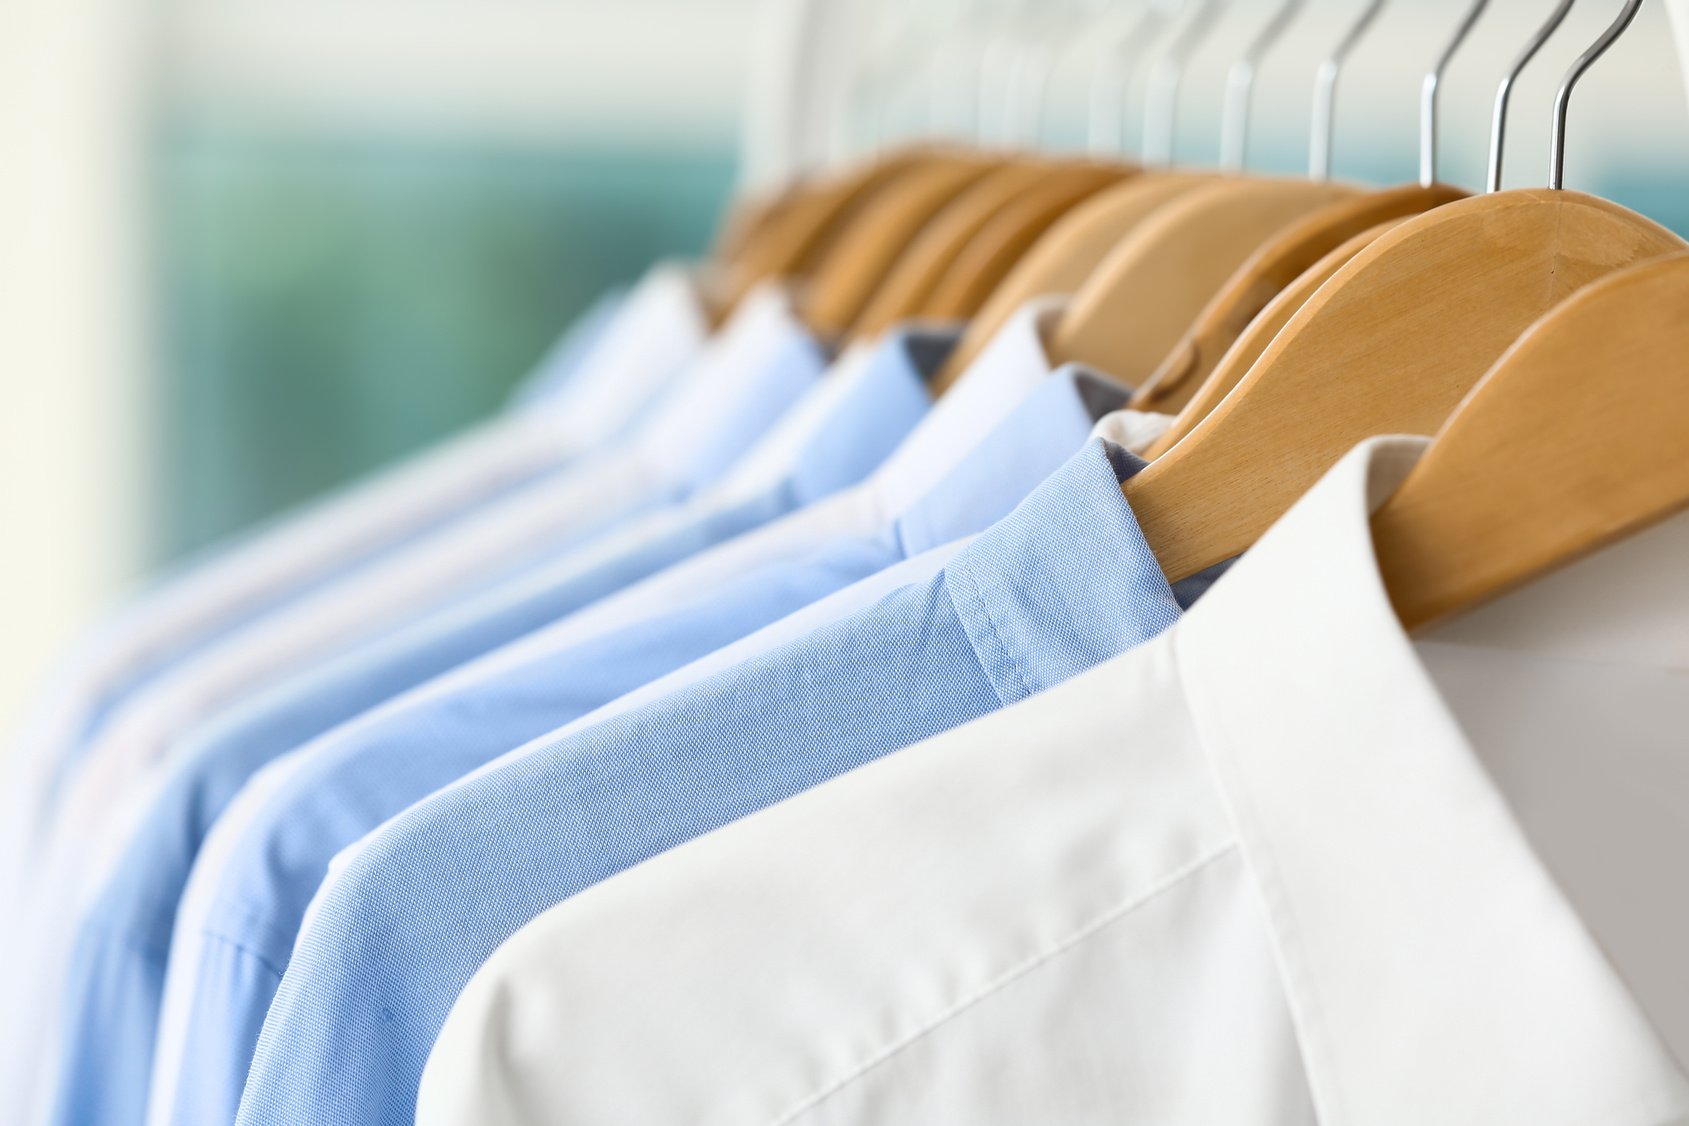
[(327, 304)]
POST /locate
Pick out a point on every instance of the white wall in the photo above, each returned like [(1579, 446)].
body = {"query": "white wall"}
[(72, 408)]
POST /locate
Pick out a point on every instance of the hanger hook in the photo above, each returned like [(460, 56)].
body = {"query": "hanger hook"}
[(1504, 91), (1428, 94), (1325, 93), (1161, 105), (1563, 96), (1106, 124), (1240, 83)]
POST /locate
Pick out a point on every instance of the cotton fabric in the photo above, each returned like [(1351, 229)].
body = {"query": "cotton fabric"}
[(741, 382), (842, 430), (1006, 617), (1281, 864)]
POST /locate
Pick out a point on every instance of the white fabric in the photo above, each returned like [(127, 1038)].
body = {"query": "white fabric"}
[(1281, 864), (123, 767), (659, 329)]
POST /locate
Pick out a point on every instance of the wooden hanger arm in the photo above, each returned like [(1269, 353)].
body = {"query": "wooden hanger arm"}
[(1064, 256), (991, 254), (1255, 338), (917, 272), (1278, 263), (1575, 438), (1390, 344), (1131, 312), (853, 269)]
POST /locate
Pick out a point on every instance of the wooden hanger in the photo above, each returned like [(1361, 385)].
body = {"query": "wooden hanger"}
[(907, 290), (1060, 260), (1389, 345), (1132, 310), (860, 259), (1283, 259), (1575, 438), (1254, 339), (800, 223), (992, 253), (750, 215)]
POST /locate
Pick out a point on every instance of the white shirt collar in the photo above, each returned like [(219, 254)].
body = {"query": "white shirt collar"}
[(763, 346), (1010, 367), (658, 329), (1406, 904)]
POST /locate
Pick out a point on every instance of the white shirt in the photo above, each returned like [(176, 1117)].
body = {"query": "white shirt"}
[(121, 769), (1281, 864), (654, 334)]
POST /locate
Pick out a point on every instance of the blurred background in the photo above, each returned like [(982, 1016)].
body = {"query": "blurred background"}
[(250, 249)]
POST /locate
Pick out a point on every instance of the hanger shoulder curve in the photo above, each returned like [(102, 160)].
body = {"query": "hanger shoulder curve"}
[(1243, 353), (992, 253), (909, 284), (1572, 440), (1060, 260), (1280, 262), (1132, 310), (1390, 344), (797, 226), (859, 259)]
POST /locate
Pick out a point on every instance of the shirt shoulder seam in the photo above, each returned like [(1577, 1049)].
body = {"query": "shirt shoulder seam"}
[(1052, 951)]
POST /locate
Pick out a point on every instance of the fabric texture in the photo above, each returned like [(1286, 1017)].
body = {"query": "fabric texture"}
[(409, 915), (375, 769), (1281, 864), (118, 967), (659, 328), (797, 559), (757, 367)]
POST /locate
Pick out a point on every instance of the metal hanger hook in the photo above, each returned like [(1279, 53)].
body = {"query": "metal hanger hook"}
[(1325, 93), (1504, 91), (1240, 84), (1106, 122), (1563, 96), (1161, 105), (1428, 94)]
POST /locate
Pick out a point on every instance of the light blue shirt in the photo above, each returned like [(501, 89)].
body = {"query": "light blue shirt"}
[(1063, 582), (573, 355), (372, 770), (118, 966), (569, 353)]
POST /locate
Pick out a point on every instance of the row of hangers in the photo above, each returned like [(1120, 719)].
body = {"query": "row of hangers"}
[(1539, 334)]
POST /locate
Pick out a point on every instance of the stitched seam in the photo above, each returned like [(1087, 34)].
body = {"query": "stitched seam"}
[(1005, 666), (244, 949), (1301, 997), (1003, 980)]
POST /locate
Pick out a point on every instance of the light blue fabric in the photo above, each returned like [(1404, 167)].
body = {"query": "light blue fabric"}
[(567, 357), (1062, 583), (370, 770), (573, 354), (117, 969)]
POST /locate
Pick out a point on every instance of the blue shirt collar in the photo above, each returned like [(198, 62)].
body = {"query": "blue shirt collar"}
[(1041, 433), (1071, 553), (885, 399)]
